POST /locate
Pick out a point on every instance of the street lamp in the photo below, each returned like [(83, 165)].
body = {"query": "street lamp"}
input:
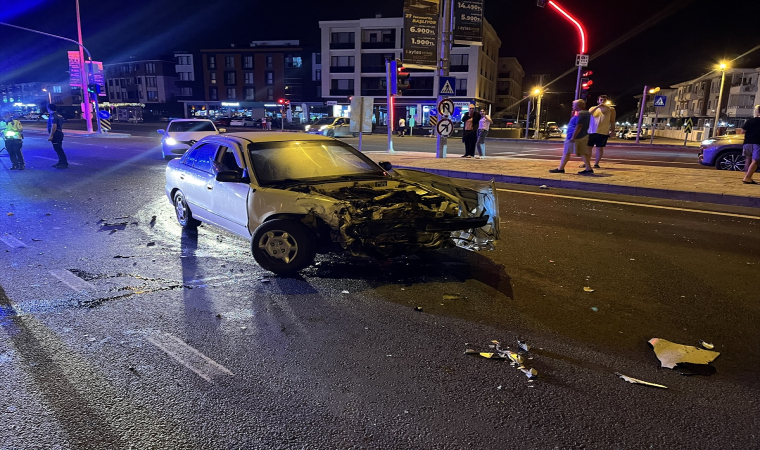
[(50, 100), (656, 113), (641, 110), (582, 33), (538, 93), (722, 68)]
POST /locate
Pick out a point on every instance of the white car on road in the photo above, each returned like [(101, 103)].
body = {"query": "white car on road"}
[(242, 122), (294, 195), (180, 134)]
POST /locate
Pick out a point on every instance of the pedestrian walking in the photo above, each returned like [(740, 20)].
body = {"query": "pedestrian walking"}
[(470, 133), (55, 129), (483, 127), (14, 138), (264, 122), (577, 139), (401, 127), (751, 146), (601, 127)]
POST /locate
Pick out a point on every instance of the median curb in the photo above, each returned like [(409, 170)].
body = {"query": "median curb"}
[(705, 197), (81, 133), (609, 144)]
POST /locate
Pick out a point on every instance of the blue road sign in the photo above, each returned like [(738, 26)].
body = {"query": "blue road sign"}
[(447, 85), (433, 112), (660, 100), (103, 114)]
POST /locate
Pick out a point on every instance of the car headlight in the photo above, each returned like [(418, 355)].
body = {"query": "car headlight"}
[(306, 128), (708, 141), (322, 127), (171, 141)]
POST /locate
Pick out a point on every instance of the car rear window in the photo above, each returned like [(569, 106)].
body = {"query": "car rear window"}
[(191, 125)]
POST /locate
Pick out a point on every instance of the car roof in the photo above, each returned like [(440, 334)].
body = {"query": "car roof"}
[(191, 120), (275, 136)]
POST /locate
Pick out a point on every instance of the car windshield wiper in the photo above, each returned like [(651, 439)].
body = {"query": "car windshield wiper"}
[(361, 177)]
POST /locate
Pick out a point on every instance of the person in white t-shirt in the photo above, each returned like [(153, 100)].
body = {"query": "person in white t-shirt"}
[(401, 127), (601, 127), (483, 127)]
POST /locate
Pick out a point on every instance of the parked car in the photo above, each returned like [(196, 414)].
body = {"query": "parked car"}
[(222, 121), (180, 134), (630, 133), (331, 127), (552, 130), (242, 122), (294, 195), (723, 152)]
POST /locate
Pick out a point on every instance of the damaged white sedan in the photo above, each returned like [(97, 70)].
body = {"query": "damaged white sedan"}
[(294, 195)]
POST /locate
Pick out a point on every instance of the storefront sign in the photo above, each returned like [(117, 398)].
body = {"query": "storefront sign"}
[(468, 22), (75, 69), (421, 34), (231, 104)]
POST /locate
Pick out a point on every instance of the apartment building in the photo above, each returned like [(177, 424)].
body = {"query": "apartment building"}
[(659, 116), (355, 52), (150, 84), (189, 75), (509, 91)]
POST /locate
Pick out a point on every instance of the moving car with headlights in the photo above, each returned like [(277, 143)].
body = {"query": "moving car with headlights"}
[(242, 122), (180, 134), (723, 152), (294, 195), (331, 127)]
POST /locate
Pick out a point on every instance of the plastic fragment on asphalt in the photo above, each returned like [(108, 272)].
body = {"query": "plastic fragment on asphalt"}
[(530, 373), (637, 381), (345, 292), (587, 289), (10, 214), (418, 308), (150, 244), (671, 354), (451, 296), (543, 186), (523, 345), (515, 357), (706, 345), (594, 308)]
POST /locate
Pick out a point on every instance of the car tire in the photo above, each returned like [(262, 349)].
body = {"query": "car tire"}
[(734, 161), (355, 134), (182, 211), (331, 133), (283, 246)]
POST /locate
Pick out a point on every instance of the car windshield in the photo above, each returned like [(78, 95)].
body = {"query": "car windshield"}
[(308, 161), (325, 121), (191, 125)]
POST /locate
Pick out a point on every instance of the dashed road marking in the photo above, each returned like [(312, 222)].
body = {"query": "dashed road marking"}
[(643, 205), (71, 280), (202, 365), (12, 242)]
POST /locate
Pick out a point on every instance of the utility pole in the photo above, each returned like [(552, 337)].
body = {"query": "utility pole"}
[(441, 142), (527, 119), (86, 110), (390, 71), (539, 93), (720, 98), (641, 113)]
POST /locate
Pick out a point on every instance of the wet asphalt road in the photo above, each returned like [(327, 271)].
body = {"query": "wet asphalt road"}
[(120, 330)]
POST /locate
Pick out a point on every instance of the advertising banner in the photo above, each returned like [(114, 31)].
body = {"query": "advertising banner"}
[(468, 22), (421, 32), (75, 69)]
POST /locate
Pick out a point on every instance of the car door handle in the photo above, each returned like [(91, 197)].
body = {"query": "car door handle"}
[(181, 177), (209, 187)]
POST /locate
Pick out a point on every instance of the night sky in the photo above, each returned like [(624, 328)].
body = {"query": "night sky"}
[(651, 42)]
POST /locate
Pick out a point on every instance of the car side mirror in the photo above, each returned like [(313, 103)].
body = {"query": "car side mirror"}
[(385, 165), (160, 131), (231, 176), (222, 130)]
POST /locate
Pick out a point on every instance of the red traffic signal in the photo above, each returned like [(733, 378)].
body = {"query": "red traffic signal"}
[(281, 101), (588, 73)]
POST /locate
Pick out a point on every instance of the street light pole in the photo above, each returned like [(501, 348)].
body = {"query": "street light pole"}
[(85, 78), (641, 113), (539, 93), (441, 142), (527, 119), (720, 98), (583, 49)]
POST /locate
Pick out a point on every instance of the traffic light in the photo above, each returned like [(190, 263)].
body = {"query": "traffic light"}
[(283, 101), (586, 82), (403, 80), (540, 3), (91, 88)]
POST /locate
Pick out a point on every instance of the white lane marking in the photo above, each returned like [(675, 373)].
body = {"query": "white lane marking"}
[(643, 205), (12, 242), (202, 365), (71, 280), (55, 159)]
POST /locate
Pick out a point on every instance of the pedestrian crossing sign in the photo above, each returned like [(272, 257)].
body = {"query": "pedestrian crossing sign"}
[(446, 85), (659, 100)]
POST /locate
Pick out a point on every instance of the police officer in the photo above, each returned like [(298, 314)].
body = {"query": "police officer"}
[(13, 141)]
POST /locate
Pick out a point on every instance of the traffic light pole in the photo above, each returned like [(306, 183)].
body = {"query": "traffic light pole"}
[(441, 142), (641, 113), (578, 83), (389, 116)]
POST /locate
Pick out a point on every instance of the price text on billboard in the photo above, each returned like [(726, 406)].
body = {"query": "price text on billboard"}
[(468, 22), (421, 33)]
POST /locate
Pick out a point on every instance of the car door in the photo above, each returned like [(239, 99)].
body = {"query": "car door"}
[(230, 199), (198, 181), (341, 127)]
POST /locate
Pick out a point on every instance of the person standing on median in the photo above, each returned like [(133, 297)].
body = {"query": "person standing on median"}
[(55, 128), (600, 127), (751, 146), (483, 127), (577, 139), (14, 141)]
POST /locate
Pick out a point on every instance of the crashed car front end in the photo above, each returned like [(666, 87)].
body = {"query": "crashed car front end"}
[(411, 212)]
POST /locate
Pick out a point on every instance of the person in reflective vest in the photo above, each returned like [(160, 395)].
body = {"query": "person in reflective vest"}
[(12, 134)]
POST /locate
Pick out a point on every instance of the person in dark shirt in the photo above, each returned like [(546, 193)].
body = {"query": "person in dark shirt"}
[(577, 139), (751, 146), (470, 132), (55, 128)]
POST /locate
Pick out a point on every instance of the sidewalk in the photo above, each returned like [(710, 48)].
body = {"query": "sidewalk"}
[(41, 129), (698, 185)]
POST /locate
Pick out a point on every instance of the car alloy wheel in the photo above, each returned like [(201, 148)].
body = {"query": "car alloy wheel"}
[(733, 161), (330, 133), (283, 246), (182, 210)]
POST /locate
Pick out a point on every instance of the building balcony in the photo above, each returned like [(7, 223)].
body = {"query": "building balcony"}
[(746, 89), (696, 95), (342, 69), (739, 111), (340, 92), (342, 45), (376, 45)]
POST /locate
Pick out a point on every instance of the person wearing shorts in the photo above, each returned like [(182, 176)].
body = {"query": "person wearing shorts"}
[(601, 126), (751, 146), (576, 141)]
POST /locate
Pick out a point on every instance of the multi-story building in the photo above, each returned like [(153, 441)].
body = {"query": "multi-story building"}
[(509, 92), (355, 52), (659, 116), (150, 83), (743, 95), (32, 97), (189, 75)]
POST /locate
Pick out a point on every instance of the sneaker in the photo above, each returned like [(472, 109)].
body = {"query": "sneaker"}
[(586, 172), (582, 166), (14, 167), (557, 171), (61, 166), (596, 166), (22, 167)]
